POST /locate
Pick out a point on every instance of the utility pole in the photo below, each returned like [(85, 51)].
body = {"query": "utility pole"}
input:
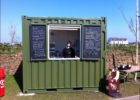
[(137, 31)]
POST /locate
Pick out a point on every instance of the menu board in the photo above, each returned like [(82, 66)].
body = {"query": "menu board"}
[(38, 42), (91, 42)]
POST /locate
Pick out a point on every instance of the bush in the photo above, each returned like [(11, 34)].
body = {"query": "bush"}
[(9, 49), (126, 48)]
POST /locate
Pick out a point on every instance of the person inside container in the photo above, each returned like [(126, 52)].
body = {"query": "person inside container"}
[(68, 51)]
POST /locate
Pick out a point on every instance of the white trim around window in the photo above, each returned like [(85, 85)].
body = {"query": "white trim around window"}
[(62, 27)]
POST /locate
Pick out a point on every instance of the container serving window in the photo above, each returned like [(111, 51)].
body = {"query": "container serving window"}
[(58, 35)]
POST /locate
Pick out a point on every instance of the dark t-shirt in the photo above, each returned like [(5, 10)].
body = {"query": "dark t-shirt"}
[(68, 52)]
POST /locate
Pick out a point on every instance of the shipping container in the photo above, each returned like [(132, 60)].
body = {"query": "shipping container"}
[(44, 66)]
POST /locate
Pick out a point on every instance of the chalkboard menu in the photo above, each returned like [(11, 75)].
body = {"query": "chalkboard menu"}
[(38, 42), (91, 42)]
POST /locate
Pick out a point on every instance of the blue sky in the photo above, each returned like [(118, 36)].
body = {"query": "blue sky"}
[(12, 10)]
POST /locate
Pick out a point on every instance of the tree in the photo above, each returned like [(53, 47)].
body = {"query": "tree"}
[(12, 33), (130, 23), (134, 28)]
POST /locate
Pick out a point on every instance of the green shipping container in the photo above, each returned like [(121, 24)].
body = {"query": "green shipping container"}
[(45, 68)]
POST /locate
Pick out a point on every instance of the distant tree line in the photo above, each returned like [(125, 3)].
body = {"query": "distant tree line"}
[(130, 48), (8, 48)]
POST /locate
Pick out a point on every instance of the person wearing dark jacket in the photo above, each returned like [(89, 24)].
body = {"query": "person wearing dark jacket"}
[(68, 51)]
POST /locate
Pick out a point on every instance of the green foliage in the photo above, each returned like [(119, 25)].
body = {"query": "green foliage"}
[(9, 49), (126, 48)]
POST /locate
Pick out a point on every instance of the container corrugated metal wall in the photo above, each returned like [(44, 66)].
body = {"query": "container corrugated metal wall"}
[(42, 76)]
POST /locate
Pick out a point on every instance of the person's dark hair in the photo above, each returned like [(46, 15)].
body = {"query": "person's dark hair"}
[(69, 42)]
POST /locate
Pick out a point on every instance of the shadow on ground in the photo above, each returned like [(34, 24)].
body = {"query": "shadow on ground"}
[(102, 85), (18, 76)]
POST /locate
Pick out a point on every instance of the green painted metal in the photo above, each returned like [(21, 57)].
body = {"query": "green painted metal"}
[(40, 76)]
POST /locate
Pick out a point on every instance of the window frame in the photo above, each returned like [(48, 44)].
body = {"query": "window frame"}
[(30, 49), (82, 47), (48, 41)]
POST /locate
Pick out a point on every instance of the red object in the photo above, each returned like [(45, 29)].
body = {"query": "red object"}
[(2, 81), (113, 85)]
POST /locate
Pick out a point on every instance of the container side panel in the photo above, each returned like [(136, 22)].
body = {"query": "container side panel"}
[(85, 74), (26, 39), (29, 77), (103, 52), (54, 73), (91, 74), (67, 74), (26, 64), (35, 75), (48, 75), (103, 41), (41, 75), (61, 74), (79, 74), (97, 72), (73, 74), (102, 67)]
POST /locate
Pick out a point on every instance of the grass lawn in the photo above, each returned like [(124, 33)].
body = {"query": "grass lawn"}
[(12, 90)]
